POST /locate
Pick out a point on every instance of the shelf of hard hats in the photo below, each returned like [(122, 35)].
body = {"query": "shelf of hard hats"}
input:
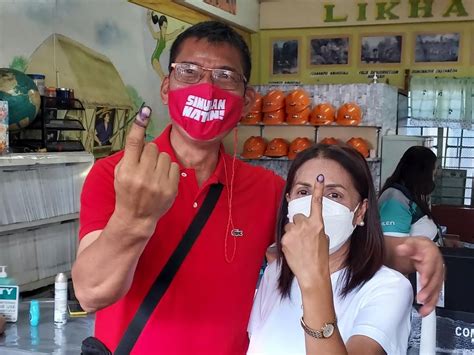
[(281, 166), (264, 158), (314, 132)]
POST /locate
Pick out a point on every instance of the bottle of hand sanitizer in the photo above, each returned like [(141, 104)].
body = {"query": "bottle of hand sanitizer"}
[(9, 293)]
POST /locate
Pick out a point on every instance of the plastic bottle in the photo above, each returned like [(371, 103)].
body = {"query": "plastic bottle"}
[(9, 293), (34, 313), (60, 299)]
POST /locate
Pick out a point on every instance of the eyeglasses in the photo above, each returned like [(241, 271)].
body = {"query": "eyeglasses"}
[(192, 73)]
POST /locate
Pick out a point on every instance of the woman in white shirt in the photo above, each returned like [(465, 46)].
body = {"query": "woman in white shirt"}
[(328, 292)]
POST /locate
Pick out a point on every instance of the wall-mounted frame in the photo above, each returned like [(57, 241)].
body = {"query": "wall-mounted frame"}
[(241, 13), (381, 49), (103, 126), (229, 6), (437, 48), (285, 56), (329, 50)]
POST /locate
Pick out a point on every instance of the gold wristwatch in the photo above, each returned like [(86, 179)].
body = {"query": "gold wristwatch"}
[(325, 332)]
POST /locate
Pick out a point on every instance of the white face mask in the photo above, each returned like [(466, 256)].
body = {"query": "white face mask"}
[(337, 219)]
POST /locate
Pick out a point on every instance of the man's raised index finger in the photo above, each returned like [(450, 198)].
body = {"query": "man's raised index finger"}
[(136, 137)]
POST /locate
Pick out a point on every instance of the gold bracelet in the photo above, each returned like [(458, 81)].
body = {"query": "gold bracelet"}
[(325, 332)]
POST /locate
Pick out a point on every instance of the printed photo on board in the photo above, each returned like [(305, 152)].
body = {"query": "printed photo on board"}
[(104, 126), (329, 51), (437, 47), (381, 49), (285, 57)]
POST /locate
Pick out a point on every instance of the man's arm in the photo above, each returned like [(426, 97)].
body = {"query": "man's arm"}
[(419, 254), (145, 185), (105, 264)]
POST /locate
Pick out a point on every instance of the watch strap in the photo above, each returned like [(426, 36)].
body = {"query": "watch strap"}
[(320, 333)]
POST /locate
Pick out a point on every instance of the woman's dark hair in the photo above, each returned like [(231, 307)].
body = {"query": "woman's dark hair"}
[(158, 20), (366, 250), (415, 172), (214, 32)]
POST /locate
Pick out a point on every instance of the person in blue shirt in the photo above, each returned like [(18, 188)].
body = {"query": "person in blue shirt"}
[(103, 130)]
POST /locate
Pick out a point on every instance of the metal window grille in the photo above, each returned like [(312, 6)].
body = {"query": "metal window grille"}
[(455, 150)]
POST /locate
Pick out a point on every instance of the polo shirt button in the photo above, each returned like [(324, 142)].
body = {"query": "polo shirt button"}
[(195, 204), (183, 174)]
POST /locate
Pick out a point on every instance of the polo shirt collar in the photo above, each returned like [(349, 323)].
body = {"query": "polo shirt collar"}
[(224, 162)]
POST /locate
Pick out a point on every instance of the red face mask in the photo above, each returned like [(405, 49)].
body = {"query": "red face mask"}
[(205, 111)]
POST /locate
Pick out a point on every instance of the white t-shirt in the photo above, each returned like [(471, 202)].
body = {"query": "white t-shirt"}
[(380, 310)]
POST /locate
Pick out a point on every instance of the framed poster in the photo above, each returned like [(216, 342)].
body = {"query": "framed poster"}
[(437, 47), (241, 13), (381, 49), (330, 50), (229, 6), (104, 126), (284, 56)]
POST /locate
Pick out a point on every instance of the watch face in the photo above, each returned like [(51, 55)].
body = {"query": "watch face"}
[(328, 329)]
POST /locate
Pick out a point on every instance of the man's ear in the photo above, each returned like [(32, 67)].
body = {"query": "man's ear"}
[(164, 90), (249, 100)]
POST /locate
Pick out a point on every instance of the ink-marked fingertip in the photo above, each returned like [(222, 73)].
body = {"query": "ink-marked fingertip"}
[(145, 112)]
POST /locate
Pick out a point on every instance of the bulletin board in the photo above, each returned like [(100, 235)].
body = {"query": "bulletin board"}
[(353, 54)]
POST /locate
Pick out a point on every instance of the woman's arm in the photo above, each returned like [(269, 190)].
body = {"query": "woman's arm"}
[(318, 309), (306, 249)]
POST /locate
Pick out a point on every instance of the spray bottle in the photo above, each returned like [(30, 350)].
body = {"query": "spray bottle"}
[(60, 299), (9, 293)]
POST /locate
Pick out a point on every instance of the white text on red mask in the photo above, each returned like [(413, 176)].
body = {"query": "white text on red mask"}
[(203, 110)]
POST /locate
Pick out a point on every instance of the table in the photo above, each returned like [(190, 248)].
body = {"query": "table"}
[(21, 338)]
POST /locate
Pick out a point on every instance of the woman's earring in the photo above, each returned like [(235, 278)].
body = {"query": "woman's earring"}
[(361, 223)]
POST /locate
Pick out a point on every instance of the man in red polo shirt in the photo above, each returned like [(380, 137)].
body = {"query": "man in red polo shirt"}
[(136, 206)]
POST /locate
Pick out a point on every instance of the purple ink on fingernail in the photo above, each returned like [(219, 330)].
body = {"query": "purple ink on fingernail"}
[(143, 116), (145, 112), (320, 178)]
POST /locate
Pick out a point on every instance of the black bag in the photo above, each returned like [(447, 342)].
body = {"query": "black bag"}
[(93, 346)]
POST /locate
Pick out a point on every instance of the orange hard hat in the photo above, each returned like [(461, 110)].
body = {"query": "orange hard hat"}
[(274, 100), (274, 117), (329, 140), (277, 147), (298, 145), (252, 118), (257, 105), (349, 114), (323, 114), (254, 147), (359, 144), (296, 101), (298, 117)]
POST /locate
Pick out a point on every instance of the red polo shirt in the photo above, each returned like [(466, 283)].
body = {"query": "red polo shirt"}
[(207, 306)]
